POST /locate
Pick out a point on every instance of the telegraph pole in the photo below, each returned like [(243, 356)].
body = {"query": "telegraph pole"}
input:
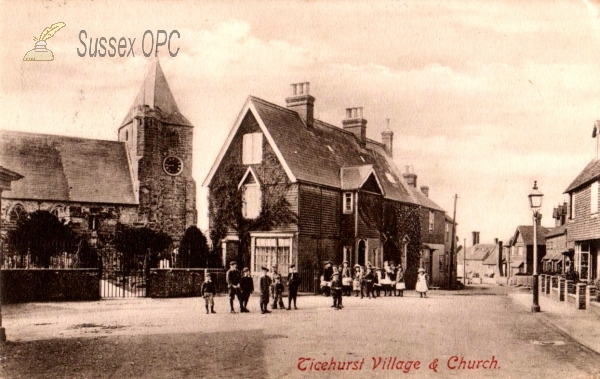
[(452, 246)]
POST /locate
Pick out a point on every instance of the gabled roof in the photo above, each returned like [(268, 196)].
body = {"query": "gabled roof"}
[(590, 172), (155, 93), (492, 258), (353, 178), (425, 201), (317, 154), (558, 231), (59, 168), (480, 251), (526, 232)]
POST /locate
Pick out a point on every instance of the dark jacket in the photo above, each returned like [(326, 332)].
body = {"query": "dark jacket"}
[(293, 281), (336, 281), (278, 288), (265, 284), (369, 277), (327, 273), (233, 277), (247, 284), (207, 287)]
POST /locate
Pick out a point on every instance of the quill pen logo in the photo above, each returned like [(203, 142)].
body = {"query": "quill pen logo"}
[(41, 53)]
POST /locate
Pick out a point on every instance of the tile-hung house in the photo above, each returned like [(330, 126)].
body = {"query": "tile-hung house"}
[(289, 188), (558, 255), (521, 250), (492, 264), (476, 254), (584, 221), (142, 179), (436, 233)]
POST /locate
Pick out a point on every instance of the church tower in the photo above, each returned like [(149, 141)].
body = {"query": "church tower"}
[(159, 148)]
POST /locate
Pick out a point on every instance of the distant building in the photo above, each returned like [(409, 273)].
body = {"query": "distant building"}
[(558, 256), (521, 249)]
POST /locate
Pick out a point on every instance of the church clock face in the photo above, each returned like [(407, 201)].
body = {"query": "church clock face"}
[(173, 165)]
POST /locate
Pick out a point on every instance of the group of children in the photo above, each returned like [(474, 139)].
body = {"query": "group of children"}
[(340, 280), (241, 285)]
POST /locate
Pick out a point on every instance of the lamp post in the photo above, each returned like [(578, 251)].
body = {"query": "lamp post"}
[(535, 203)]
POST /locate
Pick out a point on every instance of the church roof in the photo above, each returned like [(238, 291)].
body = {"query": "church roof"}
[(58, 168), (156, 94)]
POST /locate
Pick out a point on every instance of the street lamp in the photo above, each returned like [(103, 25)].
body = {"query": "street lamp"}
[(535, 203)]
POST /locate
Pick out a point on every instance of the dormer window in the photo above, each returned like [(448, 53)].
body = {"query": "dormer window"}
[(251, 195), (252, 148), (348, 202)]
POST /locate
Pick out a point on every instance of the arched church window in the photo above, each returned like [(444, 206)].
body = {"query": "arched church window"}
[(16, 213)]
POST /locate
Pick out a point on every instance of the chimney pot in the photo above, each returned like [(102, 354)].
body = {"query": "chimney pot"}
[(302, 102), (410, 177), (475, 238), (387, 138), (425, 190), (356, 124)]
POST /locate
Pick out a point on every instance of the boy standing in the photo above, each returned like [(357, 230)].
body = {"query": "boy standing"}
[(265, 285), (233, 278), (247, 287), (336, 289), (278, 292), (293, 284), (208, 292)]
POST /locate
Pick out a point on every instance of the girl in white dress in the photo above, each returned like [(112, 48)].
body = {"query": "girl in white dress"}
[(422, 283)]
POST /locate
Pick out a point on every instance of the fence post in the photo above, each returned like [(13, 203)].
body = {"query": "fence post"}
[(580, 295), (590, 294), (561, 289)]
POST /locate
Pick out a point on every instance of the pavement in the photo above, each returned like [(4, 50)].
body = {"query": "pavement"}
[(581, 325), (174, 338)]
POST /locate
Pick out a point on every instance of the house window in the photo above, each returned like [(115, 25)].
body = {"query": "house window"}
[(272, 251), (447, 232), (594, 198), (348, 202), (251, 201), (520, 251), (93, 222), (584, 261), (252, 148), (431, 220)]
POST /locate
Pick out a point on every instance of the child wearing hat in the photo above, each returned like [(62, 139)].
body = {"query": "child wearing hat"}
[(346, 279), (278, 293), (422, 287), (247, 287), (358, 280), (336, 288), (208, 293), (265, 285), (233, 278), (369, 278)]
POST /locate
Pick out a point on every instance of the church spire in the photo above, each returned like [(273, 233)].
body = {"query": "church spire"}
[(156, 95)]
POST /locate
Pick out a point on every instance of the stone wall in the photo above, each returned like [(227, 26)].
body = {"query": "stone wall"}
[(182, 282), (33, 285)]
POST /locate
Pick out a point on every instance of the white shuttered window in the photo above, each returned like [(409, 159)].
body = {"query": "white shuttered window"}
[(252, 148)]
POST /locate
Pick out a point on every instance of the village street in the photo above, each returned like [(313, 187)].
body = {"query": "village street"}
[(173, 338)]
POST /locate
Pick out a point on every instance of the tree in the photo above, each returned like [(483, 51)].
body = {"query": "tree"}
[(193, 249), (43, 236), (87, 255), (140, 244)]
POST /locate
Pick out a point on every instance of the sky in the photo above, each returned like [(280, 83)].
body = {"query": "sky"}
[(483, 96)]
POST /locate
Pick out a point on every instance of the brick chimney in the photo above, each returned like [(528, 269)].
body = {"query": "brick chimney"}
[(425, 190), (411, 177), (302, 102), (475, 238), (387, 138), (356, 124)]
